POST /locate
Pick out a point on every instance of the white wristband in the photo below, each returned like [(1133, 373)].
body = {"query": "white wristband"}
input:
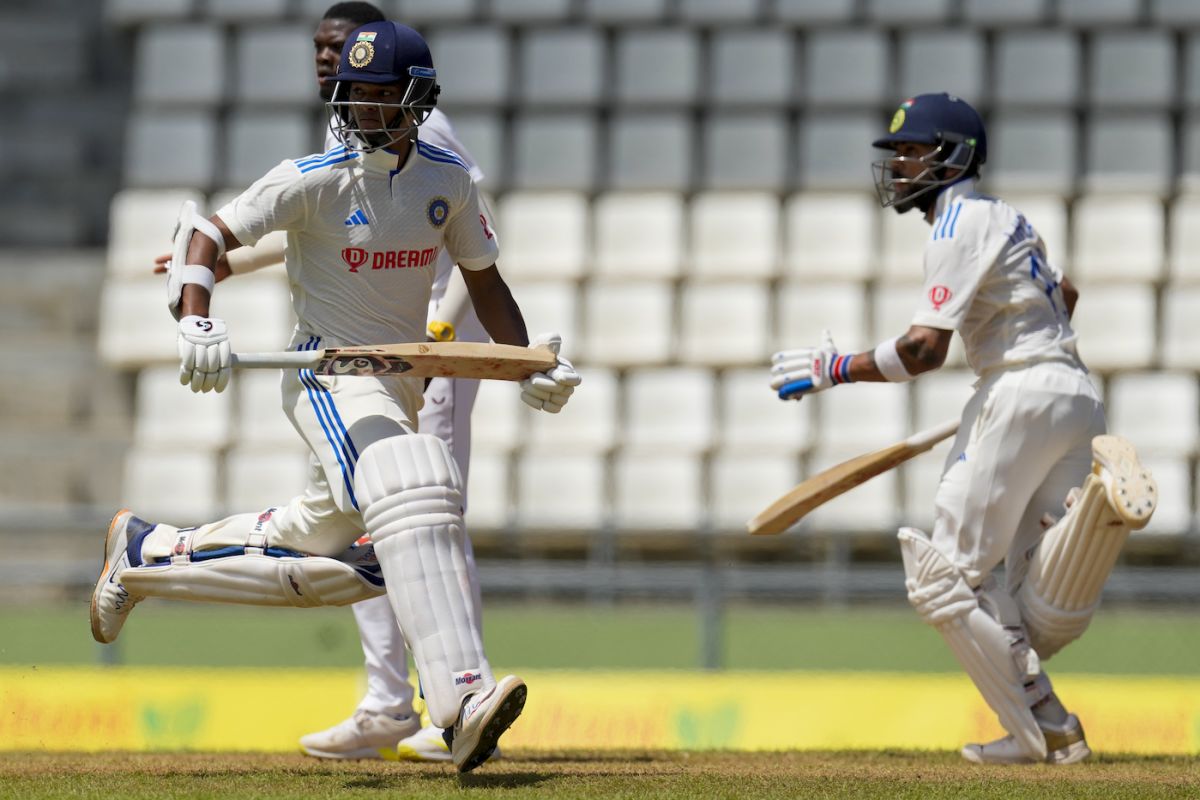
[(205, 226), (887, 359), (200, 275)]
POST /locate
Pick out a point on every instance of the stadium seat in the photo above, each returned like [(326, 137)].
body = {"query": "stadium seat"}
[(743, 484), (255, 141), (638, 234), (654, 492), (806, 309), (525, 12), (176, 486), (752, 67), (482, 134), (1181, 327), (1132, 69), (745, 150), (1033, 151), (902, 254), (1190, 79), (1118, 238), (1175, 13), (862, 417), (1095, 13), (941, 395), (754, 420), (559, 493), (1183, 243), (499, 420), (723, 324), (1174, 516), (257, 479), (1011, 12), (1036, 68), (543, 235), (1156, 410), (489, 492), (706, 12), (258, 310), (260, 417), (669, 410), (551, 306), (835, 150), (832, 236), (1129, 153), (244, 10), (180, 65), (141, 226), (275, 66), (472, 65), (587, 424), (902, 13), (920, 478), (1188, 176), (433, 11), (734, 235), (135, 327), (137, 12), (1047, 213), (628, 323), (803, 13), (657, 67), (924, 55), (562, 66), (650, 150), (847, 68), (874, 507), (156, 138), (171, 416), (625, 11), (1116, 325), (554, 151)]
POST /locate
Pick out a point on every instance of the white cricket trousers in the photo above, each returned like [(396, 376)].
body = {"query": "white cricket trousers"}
[(1024, 442)]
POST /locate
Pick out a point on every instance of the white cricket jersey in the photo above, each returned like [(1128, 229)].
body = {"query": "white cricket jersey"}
[(363, 238), (987, 276)]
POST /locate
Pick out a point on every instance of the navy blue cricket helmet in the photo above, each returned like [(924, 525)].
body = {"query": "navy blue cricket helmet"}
[(947, 123)]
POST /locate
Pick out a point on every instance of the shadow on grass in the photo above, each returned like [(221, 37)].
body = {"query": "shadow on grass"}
[(509, 780)]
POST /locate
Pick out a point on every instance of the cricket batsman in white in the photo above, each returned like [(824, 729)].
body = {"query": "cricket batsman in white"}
[(1032, 435), (371, 472)]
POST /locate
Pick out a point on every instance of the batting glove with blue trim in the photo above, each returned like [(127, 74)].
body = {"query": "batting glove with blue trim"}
[(808, 370)]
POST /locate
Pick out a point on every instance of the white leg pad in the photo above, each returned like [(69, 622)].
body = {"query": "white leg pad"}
[(410, 494), (1069, 567), (942, 597), (257, 580)]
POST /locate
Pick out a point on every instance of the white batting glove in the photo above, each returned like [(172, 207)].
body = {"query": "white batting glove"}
[(549, 391), (808, 370), (205, 360)]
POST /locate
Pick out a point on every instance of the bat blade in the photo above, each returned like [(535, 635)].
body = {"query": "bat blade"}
[(841, 478), (415, 359)]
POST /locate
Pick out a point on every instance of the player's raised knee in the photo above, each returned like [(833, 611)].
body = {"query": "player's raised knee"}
[(411, 478)]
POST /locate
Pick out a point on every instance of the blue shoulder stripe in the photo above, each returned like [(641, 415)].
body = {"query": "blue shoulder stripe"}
[(334, 151), (439, 154), (329, 162)]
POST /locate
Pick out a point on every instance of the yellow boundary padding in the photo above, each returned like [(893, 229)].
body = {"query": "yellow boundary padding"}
[(126, 708)]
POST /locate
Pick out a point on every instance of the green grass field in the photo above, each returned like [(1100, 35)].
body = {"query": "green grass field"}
[(1147, 642)]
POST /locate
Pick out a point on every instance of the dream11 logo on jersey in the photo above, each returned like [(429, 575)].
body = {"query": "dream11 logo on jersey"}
[(354, 257)]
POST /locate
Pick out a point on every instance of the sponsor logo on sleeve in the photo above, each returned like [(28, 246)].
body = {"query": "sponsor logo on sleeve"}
[(938, 295)]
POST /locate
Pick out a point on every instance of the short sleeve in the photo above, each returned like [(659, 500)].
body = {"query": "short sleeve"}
[(470, 237), (276, 201), (954, 268)]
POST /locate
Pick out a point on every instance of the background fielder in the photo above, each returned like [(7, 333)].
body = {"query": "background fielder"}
[(1031, 435)]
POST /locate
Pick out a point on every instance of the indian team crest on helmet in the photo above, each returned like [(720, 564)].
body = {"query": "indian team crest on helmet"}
[(900, 115), (438, 211), (363, 50)]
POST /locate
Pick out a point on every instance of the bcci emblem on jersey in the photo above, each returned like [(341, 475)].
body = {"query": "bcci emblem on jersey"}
[(438, 211)]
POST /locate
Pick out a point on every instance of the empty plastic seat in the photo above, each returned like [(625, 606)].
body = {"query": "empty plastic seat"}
[(873, 507), (472, 65), (725, 323), (812, 12), (861, 417), (628, 323), (746, 151), (135, 327), (713, 11), (275, 65), (1034, 151), (1156, 410), (587, 424), (260, 418), (893, 307), (625, 11), (657, 423), (527, 11), (657, 66), (561, 492), (908, 12), (171, 415), (657, 492), (638, 235), (489, 492), (482, 134), (651, 150), (551, 306), (258, 310), (734, 235), (156, 142), (754, 420), (176, 487), (806, 309), (562, 66), (1190, 79), (135, 12), (847, 68), (499, 418), (1132, 69), (1189, 177), (543, 235), (1047, 213), (1116, 326), (1178, 13), (923, 58), (257, 479), (1130, 153), (836, 152), (941, 395), (1038, 68), (1118, 238), (141, 226), (743, 484), (554, 151), (180, 65), (1090, 13), (903, 238), (255, 141), (830, 235), (1184, 239), (240, 10), (1173, 516), (415, 11), (1010, 12), (752, 67)]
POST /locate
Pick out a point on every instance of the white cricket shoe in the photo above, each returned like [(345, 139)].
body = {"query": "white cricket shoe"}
[(111, 602), (1065, 744), (366, 734), (484, 717), (427, 744)]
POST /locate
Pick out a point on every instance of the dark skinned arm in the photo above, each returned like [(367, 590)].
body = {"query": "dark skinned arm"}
[(495, 306), (1070, 295), (203, 251)]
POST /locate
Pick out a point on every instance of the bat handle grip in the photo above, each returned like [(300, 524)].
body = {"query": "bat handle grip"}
[(300, 359), (793, 388)]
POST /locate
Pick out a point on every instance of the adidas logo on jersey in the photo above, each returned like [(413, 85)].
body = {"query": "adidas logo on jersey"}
[(357, 218)]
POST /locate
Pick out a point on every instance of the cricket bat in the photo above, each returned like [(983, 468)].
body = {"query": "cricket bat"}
[(416, 359), (828, 484)]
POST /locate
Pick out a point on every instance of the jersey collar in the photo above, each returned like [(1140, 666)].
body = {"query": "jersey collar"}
[(953, 192)]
